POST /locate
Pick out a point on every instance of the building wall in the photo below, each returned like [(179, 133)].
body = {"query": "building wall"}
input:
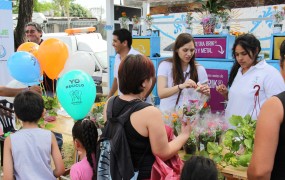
[(256, 20)]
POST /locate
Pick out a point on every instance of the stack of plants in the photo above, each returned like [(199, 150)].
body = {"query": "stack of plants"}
[(237, 145), (51, 105)]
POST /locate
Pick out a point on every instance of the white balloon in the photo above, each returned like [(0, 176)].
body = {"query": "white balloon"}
[(80, 60), (14, 84)]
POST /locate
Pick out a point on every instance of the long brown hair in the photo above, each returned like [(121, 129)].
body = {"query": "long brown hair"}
[(177, 71), (252, 47)]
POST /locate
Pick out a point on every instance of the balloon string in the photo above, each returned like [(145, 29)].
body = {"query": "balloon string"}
[(53, 88), (43, 88)]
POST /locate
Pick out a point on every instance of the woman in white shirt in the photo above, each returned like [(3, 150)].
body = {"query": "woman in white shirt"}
[(246, 76), (180, 72)]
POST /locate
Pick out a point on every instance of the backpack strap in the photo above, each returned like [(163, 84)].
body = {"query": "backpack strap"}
[(110, 107), (136, 105)]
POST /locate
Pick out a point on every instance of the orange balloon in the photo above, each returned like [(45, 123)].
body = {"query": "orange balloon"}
[(29, 47), (52, 56)]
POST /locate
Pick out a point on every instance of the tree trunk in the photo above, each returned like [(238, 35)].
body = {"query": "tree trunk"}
[(24, 16)]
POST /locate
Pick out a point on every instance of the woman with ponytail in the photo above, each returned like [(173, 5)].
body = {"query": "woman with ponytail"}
[(85, 139)]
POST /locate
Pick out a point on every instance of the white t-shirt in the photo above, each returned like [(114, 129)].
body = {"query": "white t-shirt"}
[(242, 92), (165, 70), (117, 64)]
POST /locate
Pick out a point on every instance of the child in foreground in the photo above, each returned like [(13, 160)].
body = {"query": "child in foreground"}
[(85, 137), (199, 168), (28, 152)]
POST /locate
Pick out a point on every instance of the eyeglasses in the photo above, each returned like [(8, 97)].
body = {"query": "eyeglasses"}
[(30, 31)]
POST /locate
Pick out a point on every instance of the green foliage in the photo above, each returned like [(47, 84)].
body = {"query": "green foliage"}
[(216, 151), (237, 142), (61, 7), (213, 6), (38, 6), (44, 125), (76, 10), (15, 8), (50, 102), (42, 7), (96, 114), (191, 140), (204, 153)]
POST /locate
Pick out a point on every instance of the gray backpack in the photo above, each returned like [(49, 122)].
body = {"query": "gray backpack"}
[(113, 154)]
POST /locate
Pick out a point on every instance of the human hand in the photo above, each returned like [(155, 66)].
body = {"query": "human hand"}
[(36, 89), (204, 89), (222, 89), (186, 127), (189, 84)]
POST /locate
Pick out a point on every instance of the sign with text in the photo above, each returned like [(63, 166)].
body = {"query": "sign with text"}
[(6, 40), (217, 77), (210, 47)]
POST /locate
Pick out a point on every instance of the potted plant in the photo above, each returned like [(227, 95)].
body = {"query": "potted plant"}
[(148, 21), (51, 105), (211, 10), (278, 16), (188, 22), (96, 114), (237, 143), (225, 17), (136, 24), (191, 144), (124, 21), (176, 123)]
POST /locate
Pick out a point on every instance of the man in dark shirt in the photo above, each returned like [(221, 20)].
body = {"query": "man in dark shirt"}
[(33, 34)]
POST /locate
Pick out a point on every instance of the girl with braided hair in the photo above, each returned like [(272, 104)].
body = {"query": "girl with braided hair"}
[(85, 137)]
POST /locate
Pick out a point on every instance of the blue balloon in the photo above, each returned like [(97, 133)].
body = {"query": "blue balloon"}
[(24, 67), (76, 92)]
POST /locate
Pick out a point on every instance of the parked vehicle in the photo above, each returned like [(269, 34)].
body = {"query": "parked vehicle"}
[(92, 44)]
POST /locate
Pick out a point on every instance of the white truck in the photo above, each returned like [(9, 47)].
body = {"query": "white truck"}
[(94, 45)]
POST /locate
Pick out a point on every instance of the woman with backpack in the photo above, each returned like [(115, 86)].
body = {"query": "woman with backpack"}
[(143, 127)]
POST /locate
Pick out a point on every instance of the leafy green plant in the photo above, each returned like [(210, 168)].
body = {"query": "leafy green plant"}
[(51, 103), (213, 6), (237, 143), (191, 140), (96, 114), (45, 125)]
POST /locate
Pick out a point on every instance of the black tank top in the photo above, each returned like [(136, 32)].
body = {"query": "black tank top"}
[(139, 145), (278, 171)]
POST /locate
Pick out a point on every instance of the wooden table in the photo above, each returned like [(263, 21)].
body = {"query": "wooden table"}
[(62, 125), (232, 173)]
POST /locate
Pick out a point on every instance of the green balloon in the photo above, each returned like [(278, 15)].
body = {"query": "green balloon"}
[(76, 92)]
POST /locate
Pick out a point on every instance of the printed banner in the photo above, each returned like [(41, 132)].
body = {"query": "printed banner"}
[(217, 77), (210, 47), (6, 40)]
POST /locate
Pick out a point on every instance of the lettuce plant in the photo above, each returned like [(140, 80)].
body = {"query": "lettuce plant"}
[(237, 146)]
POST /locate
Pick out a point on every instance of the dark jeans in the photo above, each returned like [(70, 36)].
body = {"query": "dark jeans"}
[(59, 140)]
